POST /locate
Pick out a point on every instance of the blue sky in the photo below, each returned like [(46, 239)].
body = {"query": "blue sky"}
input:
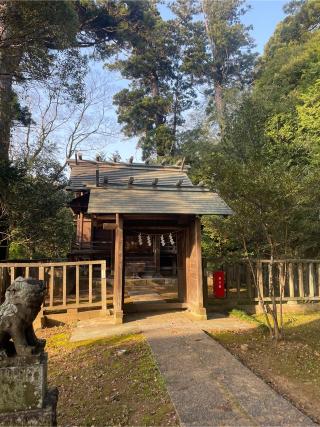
[(264, 15)]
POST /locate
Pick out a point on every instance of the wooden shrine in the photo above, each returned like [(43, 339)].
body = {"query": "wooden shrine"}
[(144, 220)]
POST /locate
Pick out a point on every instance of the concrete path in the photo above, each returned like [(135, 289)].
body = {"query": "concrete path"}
[(207, 385), (139, 323)]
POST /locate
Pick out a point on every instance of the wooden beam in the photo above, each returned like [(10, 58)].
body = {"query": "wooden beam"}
[(109, 226)]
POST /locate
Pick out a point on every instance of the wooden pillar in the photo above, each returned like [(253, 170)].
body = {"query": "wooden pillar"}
[(181, 265), (157, 255), (80, 224), (118, 271), (195, 296)]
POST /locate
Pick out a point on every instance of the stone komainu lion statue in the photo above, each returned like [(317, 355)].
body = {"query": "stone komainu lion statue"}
[(23, 300)]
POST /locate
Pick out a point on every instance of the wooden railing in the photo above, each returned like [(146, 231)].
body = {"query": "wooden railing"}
[(301, 279), (70, 285)]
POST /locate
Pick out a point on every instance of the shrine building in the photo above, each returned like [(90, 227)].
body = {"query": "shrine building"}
[(144, 220)]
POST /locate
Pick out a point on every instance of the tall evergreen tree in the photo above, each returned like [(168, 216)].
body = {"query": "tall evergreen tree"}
[(160, 91), (220, 53)]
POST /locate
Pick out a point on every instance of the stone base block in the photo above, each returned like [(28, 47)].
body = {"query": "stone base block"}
[(118, 317), (23, 383), (197, 313), (45, 416)]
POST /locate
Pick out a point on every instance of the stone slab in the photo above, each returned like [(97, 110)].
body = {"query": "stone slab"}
[(45, 416), (23, 383), (209, 387)]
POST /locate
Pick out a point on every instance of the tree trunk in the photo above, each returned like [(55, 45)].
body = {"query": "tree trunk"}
[(10, 57), (6, 100), (159, 118), (219, 103), (9, 61)]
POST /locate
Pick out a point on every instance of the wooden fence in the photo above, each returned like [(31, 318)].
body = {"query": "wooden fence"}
[(71, 285), (301, 279)]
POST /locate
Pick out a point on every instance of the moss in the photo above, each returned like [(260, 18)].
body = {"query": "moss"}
[(242, 315), (118, 387)]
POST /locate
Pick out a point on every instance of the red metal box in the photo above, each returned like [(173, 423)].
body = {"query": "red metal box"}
[(218, 284)]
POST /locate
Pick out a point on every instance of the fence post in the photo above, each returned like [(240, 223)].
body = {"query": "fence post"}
[(90, 283), (238, 279), (291, 280), (64, 285), (2, 284), (300, 280), (282, 278), (40, 319), (311, 280), (260, 278), (104, 288), (51, 284), (77, 286), (248, 281)]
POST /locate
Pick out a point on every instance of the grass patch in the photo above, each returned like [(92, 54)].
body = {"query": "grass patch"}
[(292, 366), (112, 381), (242, 315)]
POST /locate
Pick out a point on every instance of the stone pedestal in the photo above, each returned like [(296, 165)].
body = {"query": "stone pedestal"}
[(24, 397)]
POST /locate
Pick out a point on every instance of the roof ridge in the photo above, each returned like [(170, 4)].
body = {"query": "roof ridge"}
[(129, 165)]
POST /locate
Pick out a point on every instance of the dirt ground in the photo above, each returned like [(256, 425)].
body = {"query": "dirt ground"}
[(113, 381), (292, 366)]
